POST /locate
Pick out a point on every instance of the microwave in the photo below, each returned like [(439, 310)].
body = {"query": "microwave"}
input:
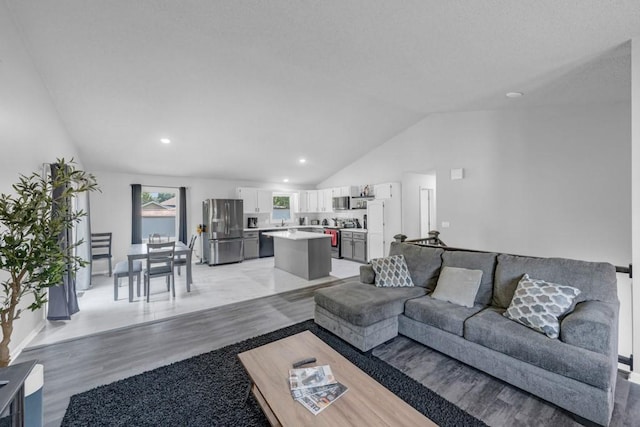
[(341, 203)]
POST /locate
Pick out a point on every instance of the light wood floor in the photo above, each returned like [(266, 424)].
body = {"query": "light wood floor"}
[(79, 365)]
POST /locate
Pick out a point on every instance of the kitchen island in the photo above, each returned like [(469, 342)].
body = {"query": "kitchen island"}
[(305, 254)]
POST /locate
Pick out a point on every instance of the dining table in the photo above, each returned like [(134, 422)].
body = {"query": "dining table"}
[(139, 251)]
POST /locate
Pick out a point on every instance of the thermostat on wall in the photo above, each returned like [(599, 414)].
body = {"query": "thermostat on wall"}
[(457, 173)]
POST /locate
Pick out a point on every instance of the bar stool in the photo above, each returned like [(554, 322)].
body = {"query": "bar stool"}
[(122, 270)]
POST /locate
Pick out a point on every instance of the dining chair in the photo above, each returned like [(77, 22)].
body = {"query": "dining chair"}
[(181, 259), (155, 238), (121, 270), (160, 264), (101, 248)]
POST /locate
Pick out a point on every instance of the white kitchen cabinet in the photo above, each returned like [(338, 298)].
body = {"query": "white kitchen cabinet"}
[(249, 198), (265, 201), (309, 201), (386, 191), (348, 190), (255, 200), (313, 200), (325, 200)]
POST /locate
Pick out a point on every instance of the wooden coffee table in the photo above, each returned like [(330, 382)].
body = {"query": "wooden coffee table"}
[(367, 403)]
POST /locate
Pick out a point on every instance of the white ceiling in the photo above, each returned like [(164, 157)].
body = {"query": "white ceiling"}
[(246, 87)]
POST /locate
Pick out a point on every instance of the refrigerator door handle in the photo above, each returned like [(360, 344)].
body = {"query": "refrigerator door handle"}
[(226, 218)]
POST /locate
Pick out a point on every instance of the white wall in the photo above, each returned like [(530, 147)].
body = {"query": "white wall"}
[(635, 152), (30, 134), (547, 181), (111, 208)]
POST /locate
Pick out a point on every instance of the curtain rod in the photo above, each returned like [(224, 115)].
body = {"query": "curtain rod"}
[(160, 186)]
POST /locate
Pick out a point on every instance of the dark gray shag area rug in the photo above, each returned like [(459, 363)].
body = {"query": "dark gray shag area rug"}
[(211, 390)]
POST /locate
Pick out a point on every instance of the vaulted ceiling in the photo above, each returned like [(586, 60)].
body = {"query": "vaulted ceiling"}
[(244, 88)]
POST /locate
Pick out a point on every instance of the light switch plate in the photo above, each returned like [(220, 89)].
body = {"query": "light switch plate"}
[(445, 224)]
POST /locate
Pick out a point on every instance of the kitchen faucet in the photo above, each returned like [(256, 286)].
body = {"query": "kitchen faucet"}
[(282, 223)]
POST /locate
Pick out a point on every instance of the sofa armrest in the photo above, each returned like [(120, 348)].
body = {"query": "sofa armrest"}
[(367, 275), (593, 325)]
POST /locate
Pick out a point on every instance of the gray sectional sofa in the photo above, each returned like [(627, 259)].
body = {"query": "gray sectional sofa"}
[(576, 371)]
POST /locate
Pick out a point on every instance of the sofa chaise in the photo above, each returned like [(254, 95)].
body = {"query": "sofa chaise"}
[(575, 371)]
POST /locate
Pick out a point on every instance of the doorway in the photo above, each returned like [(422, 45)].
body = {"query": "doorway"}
[(418, 206), (427, 211)]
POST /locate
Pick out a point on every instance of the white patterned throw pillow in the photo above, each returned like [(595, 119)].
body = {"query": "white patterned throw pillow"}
[(391, 271), (538, 305)]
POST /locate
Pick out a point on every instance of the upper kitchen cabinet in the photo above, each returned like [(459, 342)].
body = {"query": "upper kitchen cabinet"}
[(346, 191), (386, 191), (325, 200), (309, 201), (255, 200)]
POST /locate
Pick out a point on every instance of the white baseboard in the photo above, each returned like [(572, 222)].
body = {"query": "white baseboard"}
[(634, 377), (21, 346)]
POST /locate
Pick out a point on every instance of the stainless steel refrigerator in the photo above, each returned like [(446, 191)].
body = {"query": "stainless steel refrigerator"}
[(224, 231)]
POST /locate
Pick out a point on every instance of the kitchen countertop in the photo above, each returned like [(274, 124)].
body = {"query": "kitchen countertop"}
[(287, 227), (298, 235)]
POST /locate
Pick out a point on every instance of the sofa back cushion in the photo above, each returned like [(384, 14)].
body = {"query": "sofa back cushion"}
[(423, 262), (475, 261), (596, 280)]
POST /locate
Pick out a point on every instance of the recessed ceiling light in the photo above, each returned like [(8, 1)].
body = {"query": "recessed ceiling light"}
[(303, 160), (285, 180), (514, 94), (165, 140)]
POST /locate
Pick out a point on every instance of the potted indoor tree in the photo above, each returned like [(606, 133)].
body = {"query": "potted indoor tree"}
[(33, 221)]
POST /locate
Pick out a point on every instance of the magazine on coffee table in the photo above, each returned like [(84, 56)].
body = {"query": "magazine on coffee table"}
[(315, 387), (314, 376), (321, 398)]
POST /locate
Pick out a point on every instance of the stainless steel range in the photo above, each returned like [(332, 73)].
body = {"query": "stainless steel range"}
[(336, 251)]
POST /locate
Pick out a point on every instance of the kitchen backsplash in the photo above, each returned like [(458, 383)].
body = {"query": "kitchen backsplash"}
[(264, 219)]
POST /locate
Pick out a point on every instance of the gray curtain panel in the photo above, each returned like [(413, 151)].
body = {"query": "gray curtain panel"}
[(83, 232), (136, 213), (182, 229), (62, 298)]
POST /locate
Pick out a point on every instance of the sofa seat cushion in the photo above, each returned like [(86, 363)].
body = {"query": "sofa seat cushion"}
[(440, 314), (492, 330), (363, 304), (592, 325)]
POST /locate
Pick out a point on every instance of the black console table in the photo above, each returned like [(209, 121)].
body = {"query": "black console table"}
[(12, 394)]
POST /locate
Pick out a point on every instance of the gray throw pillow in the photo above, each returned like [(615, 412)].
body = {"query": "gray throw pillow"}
[(538, 305), (458, 285), (391, 271)]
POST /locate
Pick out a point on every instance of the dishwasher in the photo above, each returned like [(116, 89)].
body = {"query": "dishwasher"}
[(266, 245), (251, 244)]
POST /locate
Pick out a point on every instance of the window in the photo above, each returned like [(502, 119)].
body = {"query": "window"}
[(281, 209), (159, 213)]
